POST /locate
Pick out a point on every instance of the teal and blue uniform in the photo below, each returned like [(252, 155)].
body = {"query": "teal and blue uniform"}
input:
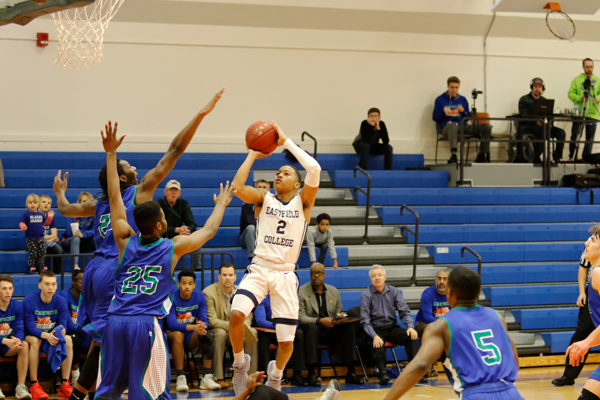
[(99, 281), (187, 312), (72, 327), (11, 324), (134, 348), (480, 362)]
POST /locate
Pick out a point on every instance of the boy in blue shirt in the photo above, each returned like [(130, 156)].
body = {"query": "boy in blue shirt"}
[(81, 341), (187, 324), (12, 334), (42, 311)]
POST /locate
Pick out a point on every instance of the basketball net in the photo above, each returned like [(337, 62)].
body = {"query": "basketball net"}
[(81, 33)]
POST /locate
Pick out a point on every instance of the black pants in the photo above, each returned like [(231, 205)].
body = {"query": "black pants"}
[(590, 132), (538, 132), (37, 250), (54, 261), (364, 150), (76, 348), (263, 392), (585, 326), (397, 335), (340, 339), (266, 339)]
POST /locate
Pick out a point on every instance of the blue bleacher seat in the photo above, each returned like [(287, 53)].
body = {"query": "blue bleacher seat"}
[(527, 273), (559, 341), (501, 296), (547, 318), (489, 214), (391, 179)]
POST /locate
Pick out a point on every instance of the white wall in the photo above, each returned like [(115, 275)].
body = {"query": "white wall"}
[(157, 76)]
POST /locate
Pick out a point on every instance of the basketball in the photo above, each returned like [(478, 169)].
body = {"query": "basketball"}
[(262, 136)]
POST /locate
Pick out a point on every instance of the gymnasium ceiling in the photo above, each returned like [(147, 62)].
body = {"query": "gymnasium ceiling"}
[(447, 17)]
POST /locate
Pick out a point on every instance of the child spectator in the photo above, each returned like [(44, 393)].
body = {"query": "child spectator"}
[(32, 223), (82, 238), (321, 236), (50, 235)]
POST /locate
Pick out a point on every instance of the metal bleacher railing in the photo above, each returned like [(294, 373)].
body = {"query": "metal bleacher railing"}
[(416, 235), (368, 205), (470, 250), (314, 140)]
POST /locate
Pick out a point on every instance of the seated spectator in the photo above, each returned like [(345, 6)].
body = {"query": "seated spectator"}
[(320, 305), (82, 240), (378, 305), (218, 308), (263, 320), (50, 235), (372, 130), (42, 312), (536, 128), (321, 236), (248, 222), (180, 220), (12, 334), (81, 341), (187, 324), (449, 110)]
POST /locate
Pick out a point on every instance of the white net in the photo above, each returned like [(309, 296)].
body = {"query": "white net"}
[(81, 33), (561, 25)]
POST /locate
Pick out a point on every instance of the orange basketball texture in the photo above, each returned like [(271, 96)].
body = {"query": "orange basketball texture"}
[(262, 136)]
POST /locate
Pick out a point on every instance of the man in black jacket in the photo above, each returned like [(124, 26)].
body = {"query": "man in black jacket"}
[(180, 220), (372, 130), (248, 222)]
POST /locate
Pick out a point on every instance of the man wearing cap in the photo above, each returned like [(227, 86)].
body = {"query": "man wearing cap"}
[(180, 220), (536, 128)]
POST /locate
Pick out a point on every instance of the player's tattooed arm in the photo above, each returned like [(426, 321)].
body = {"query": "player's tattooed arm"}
[(118, 216), (434, 339), (146, 188), (188, 243), (77, 210), (246, 193)]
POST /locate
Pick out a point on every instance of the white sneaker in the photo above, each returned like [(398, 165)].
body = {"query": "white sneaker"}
[(273, 382), (182, 384), (240, 375), (332, 392), (208, 382), (21, 392), (126, 391), (2, 397), (74, 376)]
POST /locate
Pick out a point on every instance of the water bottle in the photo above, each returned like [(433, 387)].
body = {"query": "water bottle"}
[(576, 109)]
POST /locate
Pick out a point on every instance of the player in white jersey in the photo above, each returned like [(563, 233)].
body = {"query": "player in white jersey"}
[(280, 227)]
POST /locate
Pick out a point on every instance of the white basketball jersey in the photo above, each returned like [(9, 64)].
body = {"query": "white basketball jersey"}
[(280, 230)]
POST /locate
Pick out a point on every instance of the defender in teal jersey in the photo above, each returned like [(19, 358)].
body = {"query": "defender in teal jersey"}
[(481, 360), (576, 352), (134, 347)]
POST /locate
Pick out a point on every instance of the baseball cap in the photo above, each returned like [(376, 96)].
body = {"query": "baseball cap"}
[(173, 184)]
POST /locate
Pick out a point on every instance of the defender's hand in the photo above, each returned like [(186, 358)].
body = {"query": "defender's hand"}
[(110, 141), (224, 195), (212, 103), (60, 185)]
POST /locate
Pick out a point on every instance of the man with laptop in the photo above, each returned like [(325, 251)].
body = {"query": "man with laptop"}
[(535, 105)]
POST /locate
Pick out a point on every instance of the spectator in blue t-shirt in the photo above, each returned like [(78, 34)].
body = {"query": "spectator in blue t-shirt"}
[(42, 311), (81, 341), (12, 334), (449, 110), (32, 223), (82, 240), (248, 222), (187, 324)]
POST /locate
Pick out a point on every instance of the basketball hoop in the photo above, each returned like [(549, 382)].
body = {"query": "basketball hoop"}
[(81, 33), (559, 23)]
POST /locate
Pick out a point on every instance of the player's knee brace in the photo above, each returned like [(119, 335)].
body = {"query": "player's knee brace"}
[(285, 333), (587, 395), (89, 372), (242, 303)]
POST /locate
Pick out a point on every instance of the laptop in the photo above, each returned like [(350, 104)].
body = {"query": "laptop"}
[(542, 107)]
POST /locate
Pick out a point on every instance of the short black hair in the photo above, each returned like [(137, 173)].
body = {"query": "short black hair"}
[(465, 284), (225, 265), (146, 215), (75, 273), (323, 216), (48, 274), (372, 110), (103, 179), (586, 59), (296, 171), (186, 272), (261, 181)]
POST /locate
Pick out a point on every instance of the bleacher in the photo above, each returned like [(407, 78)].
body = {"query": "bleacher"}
[(530, 239)]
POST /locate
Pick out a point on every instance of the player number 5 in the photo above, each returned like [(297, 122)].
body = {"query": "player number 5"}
[(493, 355)]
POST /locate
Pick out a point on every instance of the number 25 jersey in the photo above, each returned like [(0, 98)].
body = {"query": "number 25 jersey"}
[(144, 282), (480, 350)]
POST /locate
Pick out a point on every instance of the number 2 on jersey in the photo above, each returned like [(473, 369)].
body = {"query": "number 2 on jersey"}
[(281, 227), (493, 355), (131, 285), (104, 226)]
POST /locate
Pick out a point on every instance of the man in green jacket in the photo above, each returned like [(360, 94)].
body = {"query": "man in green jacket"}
[(180, 220), (585, 84)]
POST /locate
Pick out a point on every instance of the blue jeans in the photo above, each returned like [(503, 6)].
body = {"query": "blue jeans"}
[(248, 239), (590, 132), (73, 244), (323, 246)]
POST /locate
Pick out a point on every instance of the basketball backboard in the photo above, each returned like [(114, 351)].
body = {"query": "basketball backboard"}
[(586, 7), (23, 12)]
